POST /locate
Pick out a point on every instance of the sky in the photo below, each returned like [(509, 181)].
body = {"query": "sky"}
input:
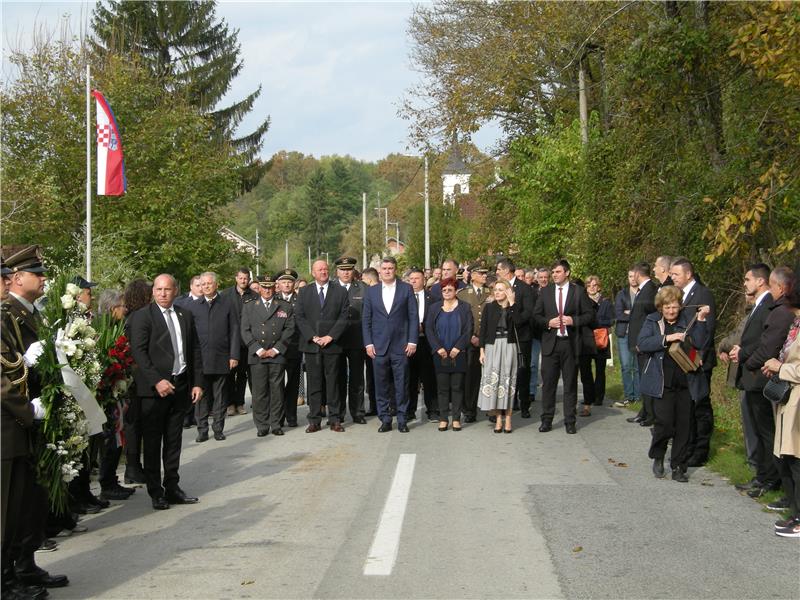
[(333, 74)]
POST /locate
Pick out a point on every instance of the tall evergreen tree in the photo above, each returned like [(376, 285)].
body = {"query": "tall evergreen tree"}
[(193, 53)]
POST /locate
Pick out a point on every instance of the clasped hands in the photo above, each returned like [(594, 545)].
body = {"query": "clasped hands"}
[(445, 354), (322, 341), (555, 322), (271, 353)]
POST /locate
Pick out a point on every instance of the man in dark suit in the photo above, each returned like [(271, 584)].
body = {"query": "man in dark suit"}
[(218, 332), (351, 376), (696, 294), (239, 295), (476, 294), (420, 366), (267, 328), (449, 270), (758, 409), (391, 330), (321, 318), (643, 305), (526, 299), (169, 376), (777, 322), (564, 313), (195, 293), (284, 286)]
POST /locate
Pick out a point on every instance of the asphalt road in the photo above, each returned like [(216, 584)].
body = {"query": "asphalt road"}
[(526, 515)]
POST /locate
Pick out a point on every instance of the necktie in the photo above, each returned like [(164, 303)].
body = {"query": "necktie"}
[(173, 337), (562, 330), (321, 295)]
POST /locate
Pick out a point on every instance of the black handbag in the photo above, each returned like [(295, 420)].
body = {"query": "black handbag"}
[(777, 390)]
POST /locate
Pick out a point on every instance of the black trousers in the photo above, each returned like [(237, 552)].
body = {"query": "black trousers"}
[(646, 411), (594, 385), (560, 363), (162, 426), (24, 512), (421, 370), (294, 370), (789, 469), (472, 381), (450, 390), (523, 392), (214, 403), (109, 458), (373, 402), (237, 380), (323, 378), (702, 425), (351, 382), (763, 419), (266, 380), (133, 434), (673, 419)]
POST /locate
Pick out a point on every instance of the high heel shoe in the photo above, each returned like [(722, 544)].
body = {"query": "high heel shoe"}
[(500, 430), (508, 431), (456, 428), (443, 427)]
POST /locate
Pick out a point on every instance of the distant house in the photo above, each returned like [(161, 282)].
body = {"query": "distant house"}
[(396, 246), (242, 244)]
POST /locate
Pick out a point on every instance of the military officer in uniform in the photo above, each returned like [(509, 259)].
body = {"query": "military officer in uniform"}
[(476, 294), (351, 380), (267, 329), (25, 503), (284, 285)]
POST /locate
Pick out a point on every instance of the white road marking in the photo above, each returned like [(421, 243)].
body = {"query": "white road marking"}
[(383, 552)]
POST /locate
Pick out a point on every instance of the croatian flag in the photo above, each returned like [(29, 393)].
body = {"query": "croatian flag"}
[(110, 164)]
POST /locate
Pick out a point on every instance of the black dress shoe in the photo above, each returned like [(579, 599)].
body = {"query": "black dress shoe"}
[(647, 423), (753, 483), (219, 436), (116, 493), (160, 503), (469, 419), (17, 590), (545, 427), (658, 468), (402, 428), (262, 432), (385, 427), (359, 420), (93, 500), (201, 437), (570, 427), (292, 423), (277, 431), (679, 475), (178, 496), (526, 414), (134, 475), (636, 419), (40, 577)]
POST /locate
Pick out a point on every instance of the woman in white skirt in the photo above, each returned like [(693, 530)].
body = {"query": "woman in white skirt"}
[(498, 344)]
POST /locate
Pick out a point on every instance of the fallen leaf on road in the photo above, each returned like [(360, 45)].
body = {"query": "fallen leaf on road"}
[(248, 582), (577, 549), (611, 460), (708, 483), (621, 464)]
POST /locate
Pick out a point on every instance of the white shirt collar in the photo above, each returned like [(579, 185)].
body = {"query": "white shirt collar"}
[(759, 298), (389, 285), (688, 288)]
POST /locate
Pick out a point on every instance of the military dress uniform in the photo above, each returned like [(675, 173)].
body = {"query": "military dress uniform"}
[(268, 324), (351, 380), (294, 358), (476, 297)]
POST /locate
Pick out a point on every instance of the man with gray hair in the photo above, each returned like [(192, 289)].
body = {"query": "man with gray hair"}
[(218, 332), (661, 269)]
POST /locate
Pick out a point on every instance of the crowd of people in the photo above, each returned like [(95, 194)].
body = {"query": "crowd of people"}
[(465, 339)]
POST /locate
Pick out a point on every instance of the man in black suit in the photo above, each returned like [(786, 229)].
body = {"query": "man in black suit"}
[(267, 328), (169, 376), (449, 270), (195, 293), (351, 376), (757, 408), (643, 305), (284, 286), (321, 317), (564, 314), (696, 294), (777, 322), (218, 332), (526, 299), (420, 366), (239, 295)]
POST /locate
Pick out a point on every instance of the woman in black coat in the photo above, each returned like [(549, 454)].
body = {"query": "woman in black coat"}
[(448, 328), (594, 385)]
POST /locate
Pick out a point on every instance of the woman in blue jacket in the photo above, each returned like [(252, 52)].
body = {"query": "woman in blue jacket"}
[(674, 390)]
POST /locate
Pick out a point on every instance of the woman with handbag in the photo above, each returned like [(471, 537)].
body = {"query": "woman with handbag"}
[(499, 355), (448, 328), (671, 378), (786, 370), (594, 385)]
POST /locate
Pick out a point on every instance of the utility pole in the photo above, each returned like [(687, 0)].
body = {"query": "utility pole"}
[(363, 230), (582, 107), (427, 219), (286, 254), (309, 259), (385, 226), (258, 257)]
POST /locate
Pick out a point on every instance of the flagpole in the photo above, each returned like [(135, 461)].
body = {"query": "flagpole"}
[(88, 179)]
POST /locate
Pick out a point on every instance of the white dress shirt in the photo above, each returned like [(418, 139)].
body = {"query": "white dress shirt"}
[(421, 305), (565, 287), (178, 335), (387, 293), (324, 289), (688, 289)]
